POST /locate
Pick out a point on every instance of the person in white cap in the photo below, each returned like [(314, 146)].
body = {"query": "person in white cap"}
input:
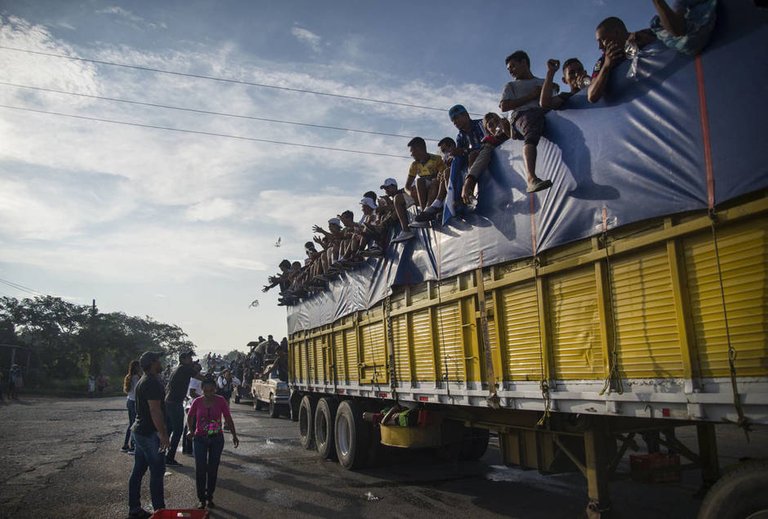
[(402, 201), (331, 242)]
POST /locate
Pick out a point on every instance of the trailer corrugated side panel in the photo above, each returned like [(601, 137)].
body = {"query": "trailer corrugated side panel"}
[(521, 345), (743, 257), (646, 327), (423, 346), (576, 348)]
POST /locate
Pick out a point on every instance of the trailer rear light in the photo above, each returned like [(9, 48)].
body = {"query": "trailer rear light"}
[(423, 399), (383, 395), (665, 412)]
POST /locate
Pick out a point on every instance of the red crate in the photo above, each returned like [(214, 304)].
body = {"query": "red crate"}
[(655, 467), (191, 513)]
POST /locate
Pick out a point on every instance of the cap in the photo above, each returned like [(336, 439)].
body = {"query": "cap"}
[(389, 182), (147, 358), (334, 221), (456, 110), (368, 202), (185, 354)]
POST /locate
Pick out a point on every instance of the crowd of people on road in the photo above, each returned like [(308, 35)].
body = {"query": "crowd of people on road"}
[(347, 242), (158, 421), (188, 405)]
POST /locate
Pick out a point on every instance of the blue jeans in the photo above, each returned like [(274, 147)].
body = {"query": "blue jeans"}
[(207, 456), (131, 405), (174, 422), (147, 456)]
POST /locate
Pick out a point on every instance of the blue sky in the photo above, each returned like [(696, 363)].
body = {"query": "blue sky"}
[(182, 227)]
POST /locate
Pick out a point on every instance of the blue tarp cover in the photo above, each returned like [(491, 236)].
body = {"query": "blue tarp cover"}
[(637, 154)]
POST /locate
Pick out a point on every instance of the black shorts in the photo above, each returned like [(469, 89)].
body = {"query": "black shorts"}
[(529, 125)]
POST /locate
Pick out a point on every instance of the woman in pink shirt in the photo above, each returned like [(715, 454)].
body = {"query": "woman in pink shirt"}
[(205, 424)]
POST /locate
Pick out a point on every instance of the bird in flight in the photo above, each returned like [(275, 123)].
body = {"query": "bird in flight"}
[(254, 304), (278, 242)]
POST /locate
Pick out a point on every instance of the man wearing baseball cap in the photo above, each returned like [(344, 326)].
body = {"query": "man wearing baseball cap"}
[(149, 436), (174, 402)]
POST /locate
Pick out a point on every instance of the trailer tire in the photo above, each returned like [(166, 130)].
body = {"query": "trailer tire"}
[(274, 409), (325, 417), (306, 423), (474, 444), (293, 406), (739, 494), (352, 435), (256, 404)]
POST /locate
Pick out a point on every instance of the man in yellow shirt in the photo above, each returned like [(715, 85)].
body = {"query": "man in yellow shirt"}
[(424, 172)]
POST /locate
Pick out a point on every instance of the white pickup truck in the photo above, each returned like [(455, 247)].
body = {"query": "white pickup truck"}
[(273, 392)]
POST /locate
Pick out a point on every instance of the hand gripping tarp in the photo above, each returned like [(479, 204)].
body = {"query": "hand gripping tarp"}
[(684, 134)]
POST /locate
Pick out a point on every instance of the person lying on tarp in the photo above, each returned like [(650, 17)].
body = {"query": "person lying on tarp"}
[(614, 40)]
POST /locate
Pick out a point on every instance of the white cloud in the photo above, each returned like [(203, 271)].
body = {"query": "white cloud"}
[(306, 36), (136, 204), (130, 19), (210, 210)]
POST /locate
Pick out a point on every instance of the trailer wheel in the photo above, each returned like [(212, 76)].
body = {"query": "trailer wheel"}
[(306, 422), (256, 404), (274, 410), (739, 494), (325, 416), (352, 435), (293, 406), (474, 444)]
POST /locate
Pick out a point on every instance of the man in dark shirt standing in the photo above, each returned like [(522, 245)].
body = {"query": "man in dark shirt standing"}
[(149, 436), (174, 402)]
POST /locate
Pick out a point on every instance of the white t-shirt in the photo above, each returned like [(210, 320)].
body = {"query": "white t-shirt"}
[(197, 385), (521, 88)]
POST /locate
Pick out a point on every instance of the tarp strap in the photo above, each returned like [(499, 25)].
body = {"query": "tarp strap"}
[(543, 384), (613, 378), (742, 420), (707, 141), (391, 340)]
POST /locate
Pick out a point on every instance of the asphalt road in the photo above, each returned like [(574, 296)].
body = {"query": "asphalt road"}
[(61, 458)]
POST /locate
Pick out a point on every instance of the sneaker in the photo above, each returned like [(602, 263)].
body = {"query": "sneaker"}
[(210, 503), (403, 236), (140, 514), (539, 185), (124, 448), (373, 252), (427, 214), (201, 506), (172, 462), (419, 224)]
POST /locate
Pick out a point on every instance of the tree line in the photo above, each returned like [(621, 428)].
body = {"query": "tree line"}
[(68, 340)]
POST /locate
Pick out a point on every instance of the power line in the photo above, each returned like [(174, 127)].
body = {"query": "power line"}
[(200, 132), (19, 287), (208, 112), (225, 80)]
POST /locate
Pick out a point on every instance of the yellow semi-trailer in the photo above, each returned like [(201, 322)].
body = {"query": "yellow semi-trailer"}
[(629, 299), (642, 329)]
